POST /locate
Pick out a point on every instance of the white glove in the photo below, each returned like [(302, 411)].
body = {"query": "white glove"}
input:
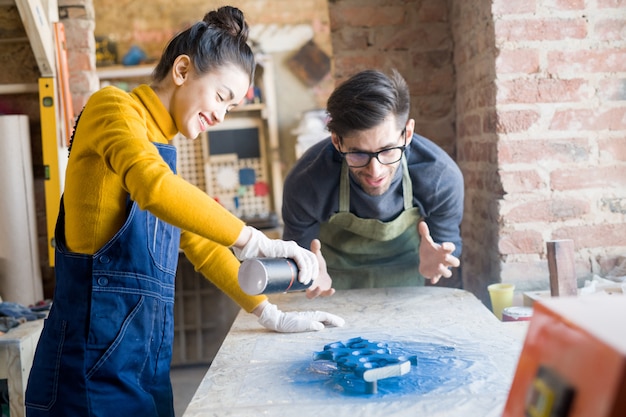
[(261, 246), (293, 322)]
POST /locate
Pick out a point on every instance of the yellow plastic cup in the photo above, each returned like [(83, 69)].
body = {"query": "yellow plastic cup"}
[(501, 297)]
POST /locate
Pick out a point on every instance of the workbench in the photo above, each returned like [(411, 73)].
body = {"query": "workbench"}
[(17, 349), (466, 359)]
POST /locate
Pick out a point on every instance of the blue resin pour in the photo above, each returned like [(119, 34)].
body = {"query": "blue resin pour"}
[(434, 367)]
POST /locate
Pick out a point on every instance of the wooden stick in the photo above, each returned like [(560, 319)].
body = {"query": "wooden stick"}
[(562, 268)]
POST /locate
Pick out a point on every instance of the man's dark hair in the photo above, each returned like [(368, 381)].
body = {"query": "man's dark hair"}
[(366, 99)]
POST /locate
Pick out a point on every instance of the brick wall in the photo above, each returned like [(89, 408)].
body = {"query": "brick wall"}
[(541, 136), (78, 17), (560, 116), (532, 106), (474, 60), (412, 36)]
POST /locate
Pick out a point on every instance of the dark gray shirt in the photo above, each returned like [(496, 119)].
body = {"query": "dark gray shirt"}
[(311, 193)]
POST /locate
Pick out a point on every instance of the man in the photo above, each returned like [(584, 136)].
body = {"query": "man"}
[(374, 190)]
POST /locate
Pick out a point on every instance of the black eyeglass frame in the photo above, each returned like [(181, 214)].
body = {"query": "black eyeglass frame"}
[(375, 154)]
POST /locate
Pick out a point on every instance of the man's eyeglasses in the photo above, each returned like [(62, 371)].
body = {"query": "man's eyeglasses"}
[(386, 156)]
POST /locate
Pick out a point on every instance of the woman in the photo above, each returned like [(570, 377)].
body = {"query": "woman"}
[(106, 346)]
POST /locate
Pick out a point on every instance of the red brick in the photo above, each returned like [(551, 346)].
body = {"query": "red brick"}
[(81, 61), (612, 149), (83, 82), (503, 7), (516, 242), (587, 178), (515, 120), (433, 82), (588, 119), (432, 61), (440, 131), (610, 30), (540, 29), (424, 37), (485, 180), (476, 96), (490, 121), (346, 65), (351, 39), (434, 106), (433, 11), (593, 235), (612, 89), (551, 210), (522, 181), (543, 91), (469, 125), (367, 16), (473, 151), (524, 61), (564, 150), (590, 61), (79, 101), (564, 4)]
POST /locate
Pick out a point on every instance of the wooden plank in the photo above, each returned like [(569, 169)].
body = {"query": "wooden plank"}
[(273, 143), (66, 107), (562, 268), (17, 349), (37, 24)]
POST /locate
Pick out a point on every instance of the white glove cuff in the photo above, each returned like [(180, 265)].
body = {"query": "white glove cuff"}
[(270, 316), (251, 248)]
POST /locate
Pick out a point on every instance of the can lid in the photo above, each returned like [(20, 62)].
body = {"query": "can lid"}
[(517, 313), (252, 277)]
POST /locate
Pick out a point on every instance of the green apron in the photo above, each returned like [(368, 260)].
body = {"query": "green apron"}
[(369, 253)]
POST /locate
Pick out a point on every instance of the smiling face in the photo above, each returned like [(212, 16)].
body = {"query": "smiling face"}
[(374, 178), (200, 101)]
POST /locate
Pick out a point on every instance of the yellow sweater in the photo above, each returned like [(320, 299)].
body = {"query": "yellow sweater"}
[(111, 157)]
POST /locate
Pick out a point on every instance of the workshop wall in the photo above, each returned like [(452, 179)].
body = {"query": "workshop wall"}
[(528, 96), (279, 28), (541, 123)]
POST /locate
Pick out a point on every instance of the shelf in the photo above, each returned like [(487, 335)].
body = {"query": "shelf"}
[(122, 71), (18, 88)]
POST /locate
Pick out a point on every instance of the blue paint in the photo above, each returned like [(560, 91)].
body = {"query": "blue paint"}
[(436, 369), (356, 357)]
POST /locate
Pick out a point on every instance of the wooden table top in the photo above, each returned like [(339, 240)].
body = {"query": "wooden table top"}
[(465, 359)]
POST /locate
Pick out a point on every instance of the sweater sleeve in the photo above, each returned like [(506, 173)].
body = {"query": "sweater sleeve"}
[(115, 133), (218, 264)]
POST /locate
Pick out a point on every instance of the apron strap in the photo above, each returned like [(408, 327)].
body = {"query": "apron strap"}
[(407, 185), (344, 188)]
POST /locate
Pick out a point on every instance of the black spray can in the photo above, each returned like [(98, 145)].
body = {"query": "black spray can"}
[(269, 275)]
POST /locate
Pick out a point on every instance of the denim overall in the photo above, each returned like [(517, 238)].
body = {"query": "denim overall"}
[(369, 253), (106, 345)]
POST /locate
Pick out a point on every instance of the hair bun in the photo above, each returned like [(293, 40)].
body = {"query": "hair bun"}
[(230, 20)]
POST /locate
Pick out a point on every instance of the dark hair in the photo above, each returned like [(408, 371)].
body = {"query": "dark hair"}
[(364, 101), (219, 39)]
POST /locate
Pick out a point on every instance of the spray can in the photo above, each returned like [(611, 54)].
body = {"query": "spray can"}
[(269, 275)]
